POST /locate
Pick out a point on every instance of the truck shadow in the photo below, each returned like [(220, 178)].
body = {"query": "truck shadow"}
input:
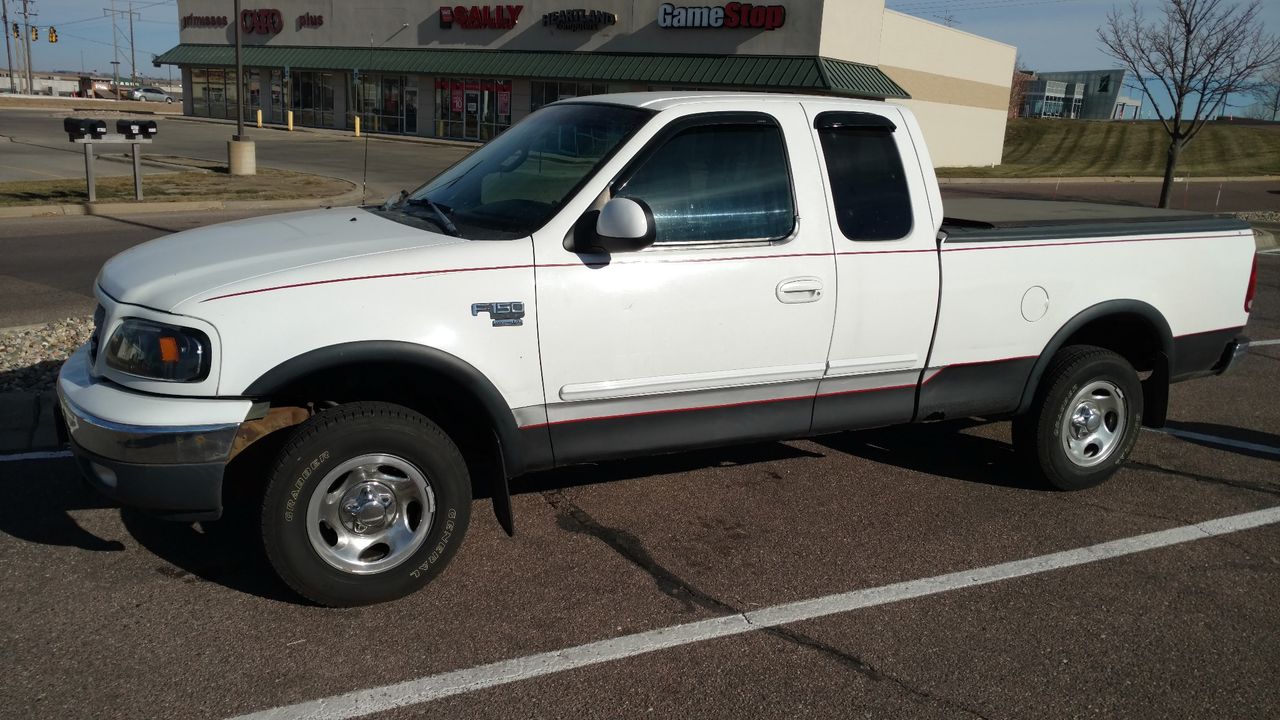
[(939, 449)]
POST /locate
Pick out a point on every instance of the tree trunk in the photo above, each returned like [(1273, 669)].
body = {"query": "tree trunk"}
[(1171, 165)]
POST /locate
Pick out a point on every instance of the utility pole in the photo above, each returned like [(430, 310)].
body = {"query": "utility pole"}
[(8, 53), (133, 53), (26, 31), (115, 51)]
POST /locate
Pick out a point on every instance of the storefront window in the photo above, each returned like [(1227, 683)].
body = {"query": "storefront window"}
[(471, 109), (544, 93), (312, 98), (383, 102), (199, 92)]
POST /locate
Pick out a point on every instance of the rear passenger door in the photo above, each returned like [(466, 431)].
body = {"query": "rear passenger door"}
[(886, 265), (719, 331)]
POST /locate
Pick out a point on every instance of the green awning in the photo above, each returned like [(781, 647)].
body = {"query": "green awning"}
[(798, 73)]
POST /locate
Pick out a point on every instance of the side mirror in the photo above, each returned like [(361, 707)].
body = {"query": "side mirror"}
[(624, 225)]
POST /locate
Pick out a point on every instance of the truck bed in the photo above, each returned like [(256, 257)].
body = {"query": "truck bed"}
[(997, 219)]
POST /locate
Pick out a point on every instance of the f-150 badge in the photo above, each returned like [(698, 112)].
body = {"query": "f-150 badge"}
[(503, 314)]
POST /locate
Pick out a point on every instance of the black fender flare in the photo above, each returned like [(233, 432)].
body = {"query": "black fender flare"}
[(1095, 312), (450, 366)]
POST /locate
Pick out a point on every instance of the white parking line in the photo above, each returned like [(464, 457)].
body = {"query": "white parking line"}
[(433, 687), (39, 455), (1263, 343), (1215, 440)]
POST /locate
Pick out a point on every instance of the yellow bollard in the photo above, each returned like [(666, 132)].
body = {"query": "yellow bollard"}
[(357, 126), (259, 118), (290, 121)]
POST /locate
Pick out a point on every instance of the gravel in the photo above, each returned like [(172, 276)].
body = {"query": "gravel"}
[(1267, 216), (30, 356)]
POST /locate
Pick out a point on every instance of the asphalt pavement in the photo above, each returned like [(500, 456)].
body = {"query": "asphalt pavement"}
[(110, 614), (599, 606), (37, 139)]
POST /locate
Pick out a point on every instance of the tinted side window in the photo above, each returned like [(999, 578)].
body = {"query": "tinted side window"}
[(717, 183), (868, 184)]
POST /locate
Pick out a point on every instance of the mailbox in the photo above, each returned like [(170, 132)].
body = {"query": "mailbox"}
[(137, 129), (84, 129)]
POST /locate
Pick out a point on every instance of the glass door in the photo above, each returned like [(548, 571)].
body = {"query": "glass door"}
[(471, 116), (411, 111)]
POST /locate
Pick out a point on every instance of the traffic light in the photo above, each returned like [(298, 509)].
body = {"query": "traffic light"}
[(35, 33), (53, 34), (17, 34)]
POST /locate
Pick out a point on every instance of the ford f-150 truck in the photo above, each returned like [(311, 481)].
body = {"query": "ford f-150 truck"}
[(618, 276)]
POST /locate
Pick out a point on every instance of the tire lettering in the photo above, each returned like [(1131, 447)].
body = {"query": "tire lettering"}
[(298, 484)]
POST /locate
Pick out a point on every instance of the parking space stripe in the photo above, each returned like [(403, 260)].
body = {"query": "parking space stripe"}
[(1263, 343), (1215, 440), (40, 455), (434, 687)]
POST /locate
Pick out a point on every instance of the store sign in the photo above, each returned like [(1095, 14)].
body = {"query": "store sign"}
[(204, 21), (307, 20), (579, 19), (262, 22), (481, 17), (729, 15)]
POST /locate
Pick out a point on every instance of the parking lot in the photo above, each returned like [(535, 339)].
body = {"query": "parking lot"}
[(940, 585)]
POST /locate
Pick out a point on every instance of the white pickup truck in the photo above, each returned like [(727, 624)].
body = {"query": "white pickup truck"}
[(617, 276)]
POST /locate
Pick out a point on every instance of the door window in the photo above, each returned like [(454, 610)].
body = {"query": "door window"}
[(717, 183), (868, 184)]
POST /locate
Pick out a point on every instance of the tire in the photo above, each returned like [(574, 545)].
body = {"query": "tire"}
[(169, 100), (1085, 419), (365, 475)]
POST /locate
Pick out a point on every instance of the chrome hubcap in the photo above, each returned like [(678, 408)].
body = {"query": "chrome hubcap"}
[(1095, 423), (370, 514)]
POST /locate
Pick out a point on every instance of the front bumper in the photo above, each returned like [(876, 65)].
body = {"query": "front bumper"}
[(172, 470)]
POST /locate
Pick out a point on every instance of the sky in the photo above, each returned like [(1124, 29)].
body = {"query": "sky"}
[(1049, 34)]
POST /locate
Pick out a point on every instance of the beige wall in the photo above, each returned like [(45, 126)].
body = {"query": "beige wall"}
[(349, 24), (957, 135), (959, 86), (851, 30)]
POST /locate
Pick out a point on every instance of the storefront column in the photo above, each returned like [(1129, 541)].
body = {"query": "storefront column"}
[(520, 93), (341, 90), (186, 91)]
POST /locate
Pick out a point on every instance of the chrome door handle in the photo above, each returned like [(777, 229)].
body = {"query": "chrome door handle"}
[(800, 290)]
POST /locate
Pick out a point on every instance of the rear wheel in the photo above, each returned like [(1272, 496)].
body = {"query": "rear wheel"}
[(1085, 419), (367, 503)]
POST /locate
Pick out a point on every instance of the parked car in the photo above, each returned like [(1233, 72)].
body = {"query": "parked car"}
[(150, 94), (618, 276)]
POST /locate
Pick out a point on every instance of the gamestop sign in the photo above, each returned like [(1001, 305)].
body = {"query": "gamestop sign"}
[(729, 15)]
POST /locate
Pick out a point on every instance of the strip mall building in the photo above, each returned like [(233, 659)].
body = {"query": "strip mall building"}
[(469, 71)]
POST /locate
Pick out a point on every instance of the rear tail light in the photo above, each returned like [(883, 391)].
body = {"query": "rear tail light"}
[(1253, 286)]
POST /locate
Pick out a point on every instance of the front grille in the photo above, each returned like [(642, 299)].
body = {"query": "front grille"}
[(99, 316)]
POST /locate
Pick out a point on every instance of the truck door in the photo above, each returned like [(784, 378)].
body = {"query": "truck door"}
[(886, 265), (718, 332)]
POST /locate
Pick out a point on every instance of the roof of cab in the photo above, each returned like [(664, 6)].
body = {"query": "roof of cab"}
[(665, 100)]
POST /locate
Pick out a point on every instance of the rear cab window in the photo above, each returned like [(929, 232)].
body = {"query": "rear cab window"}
[(866, 177)]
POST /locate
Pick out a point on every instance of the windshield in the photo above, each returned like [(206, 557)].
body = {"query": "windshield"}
[(513, 185)]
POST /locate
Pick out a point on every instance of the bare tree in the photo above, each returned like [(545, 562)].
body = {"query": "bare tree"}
[(1022, 79), (1198, 52), (1266, 95)]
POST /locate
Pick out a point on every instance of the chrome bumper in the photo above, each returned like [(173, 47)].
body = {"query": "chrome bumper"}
[(145, 444)]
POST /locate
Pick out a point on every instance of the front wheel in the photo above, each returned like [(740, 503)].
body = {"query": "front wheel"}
[(1085, 419), (367, 503)]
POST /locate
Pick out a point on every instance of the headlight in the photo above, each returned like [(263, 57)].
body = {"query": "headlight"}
[(159, 352)]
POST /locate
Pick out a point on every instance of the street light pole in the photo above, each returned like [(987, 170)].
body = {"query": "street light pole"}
[(26, 31), (241, 154)]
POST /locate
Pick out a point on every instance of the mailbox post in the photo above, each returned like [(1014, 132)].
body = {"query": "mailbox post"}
[(94, 132)]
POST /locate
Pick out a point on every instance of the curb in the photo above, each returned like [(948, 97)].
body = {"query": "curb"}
[(337, 133), (27, 422), (1265, 239), (1099, 179), (349, 198)]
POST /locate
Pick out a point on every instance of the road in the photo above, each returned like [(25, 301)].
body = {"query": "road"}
[(39, 145), (112, 615)]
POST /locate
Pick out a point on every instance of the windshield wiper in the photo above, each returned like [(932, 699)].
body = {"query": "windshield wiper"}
[(437, 214)]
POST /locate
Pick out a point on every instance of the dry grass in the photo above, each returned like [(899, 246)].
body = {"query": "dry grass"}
[(91, 104), (1088, 148), (206, 182)]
